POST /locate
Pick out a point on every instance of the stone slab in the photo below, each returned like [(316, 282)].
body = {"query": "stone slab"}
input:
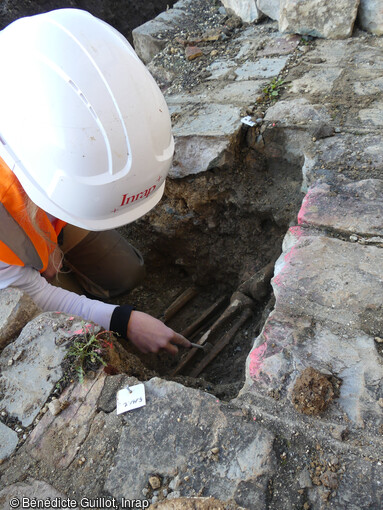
[(248, 48), (203, 135), (208, 120), (358, 487), (8, 441), (182, 4), (145, 39), (366, 57), (262, 68), (373, 115), (192, 441), (334, 53), (328, 279), (57, 439), (320, 80), (370, 16), (16, 310), (300, 112), (30, 366), (194, 154), (333, 19), (219, 69), (356, 158), (174, 15), (280, 46), (351, 208), (370, 86), (242, 93), (175, 101), (151, 37)]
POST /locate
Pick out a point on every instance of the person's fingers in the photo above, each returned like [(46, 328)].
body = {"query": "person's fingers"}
[(171, 348), (180, 340), (151, 335)]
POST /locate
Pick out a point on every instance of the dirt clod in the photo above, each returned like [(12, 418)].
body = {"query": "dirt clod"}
[(154, 482), (312, 392), (329, 479)]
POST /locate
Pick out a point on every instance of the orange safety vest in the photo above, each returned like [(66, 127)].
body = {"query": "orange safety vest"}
[(20, 243)]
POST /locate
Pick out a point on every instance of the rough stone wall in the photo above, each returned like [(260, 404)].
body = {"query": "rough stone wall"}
[(331, 19)]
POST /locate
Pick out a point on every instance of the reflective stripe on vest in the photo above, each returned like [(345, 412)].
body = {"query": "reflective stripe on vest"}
[(20, 243)]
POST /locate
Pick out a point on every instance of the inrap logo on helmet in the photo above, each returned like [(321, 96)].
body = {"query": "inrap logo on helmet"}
[(133, 198)]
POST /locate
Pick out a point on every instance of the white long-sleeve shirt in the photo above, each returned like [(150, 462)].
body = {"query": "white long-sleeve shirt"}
[(51, 298)]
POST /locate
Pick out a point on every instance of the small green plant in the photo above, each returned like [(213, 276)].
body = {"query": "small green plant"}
[(86, 351), (273, 90)]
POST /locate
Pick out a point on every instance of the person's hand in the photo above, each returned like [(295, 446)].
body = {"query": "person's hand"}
[(150, 335)]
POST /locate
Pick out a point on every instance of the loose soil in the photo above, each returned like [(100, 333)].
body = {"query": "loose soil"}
[(312, 392)]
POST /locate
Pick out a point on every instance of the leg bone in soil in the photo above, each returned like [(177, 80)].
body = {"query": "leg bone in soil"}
[(235, 315)]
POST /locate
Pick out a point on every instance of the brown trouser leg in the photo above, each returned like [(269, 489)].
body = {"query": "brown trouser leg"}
[(104, 263)]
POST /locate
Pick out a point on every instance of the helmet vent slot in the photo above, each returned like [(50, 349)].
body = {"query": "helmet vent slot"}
[(82, 97), (92, 112), (72, 84)]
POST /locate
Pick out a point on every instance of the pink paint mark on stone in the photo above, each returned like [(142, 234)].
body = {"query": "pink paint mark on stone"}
[(85, 329), (277, 280), (256, 360), (297, 232), (306, 203), (280, 278)]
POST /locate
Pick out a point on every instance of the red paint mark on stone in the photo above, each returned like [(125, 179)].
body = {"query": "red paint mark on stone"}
[(256, 360)]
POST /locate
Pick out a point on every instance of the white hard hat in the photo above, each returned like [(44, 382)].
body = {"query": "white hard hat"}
[(83, 124)]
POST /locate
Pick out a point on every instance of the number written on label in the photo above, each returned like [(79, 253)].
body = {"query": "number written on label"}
[(130, 398)]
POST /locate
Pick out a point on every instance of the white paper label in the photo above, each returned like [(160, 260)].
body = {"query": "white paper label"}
[(130, 398), (247, 120)]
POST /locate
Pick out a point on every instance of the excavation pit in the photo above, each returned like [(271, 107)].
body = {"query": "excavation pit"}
[(212, 232)]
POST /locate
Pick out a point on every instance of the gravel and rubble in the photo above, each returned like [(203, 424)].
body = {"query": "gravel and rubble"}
[(305, 431)]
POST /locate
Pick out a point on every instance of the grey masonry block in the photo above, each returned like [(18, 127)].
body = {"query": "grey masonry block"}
[(16, 310)]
